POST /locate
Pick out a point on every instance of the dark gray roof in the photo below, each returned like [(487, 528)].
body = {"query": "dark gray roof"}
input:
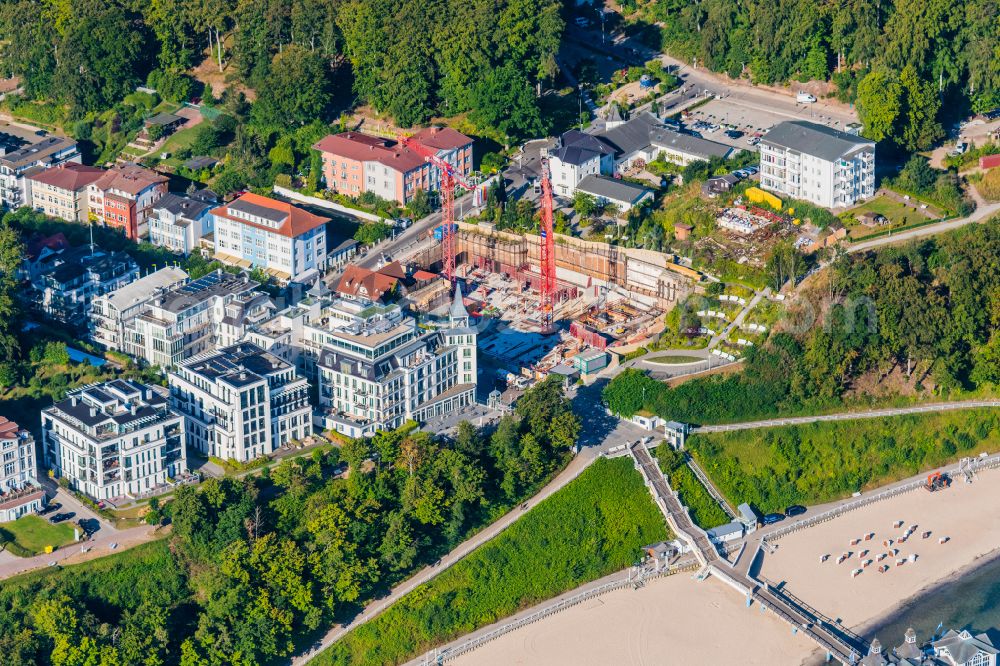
[(238, 365), (200, 162), (218, 283), (612, 188), (686, 143), (632, 135), (36, 152), (575, 155), (586, 141), (163, 118), (818, 140), (343, 247), (180, 205), (258, 211)]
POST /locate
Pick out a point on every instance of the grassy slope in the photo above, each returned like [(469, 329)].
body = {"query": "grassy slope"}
[(592, 527), (34, 533), (704, 510), (772, 468), (106, 586)]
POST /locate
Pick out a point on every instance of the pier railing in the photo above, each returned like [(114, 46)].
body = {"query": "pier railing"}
[(974, 465)]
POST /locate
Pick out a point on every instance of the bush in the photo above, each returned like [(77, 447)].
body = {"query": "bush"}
[(989, 186), (595, 525), (773, 468)]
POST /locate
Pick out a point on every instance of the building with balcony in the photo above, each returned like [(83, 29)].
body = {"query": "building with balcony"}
[(24, 154), (178, 222), (818, 164), (112, 312), (240, 402), (206, 314), (123, 198), (285, 241), (62, 191), (66, 281), (378, 368), (116, 440), (19, 490)]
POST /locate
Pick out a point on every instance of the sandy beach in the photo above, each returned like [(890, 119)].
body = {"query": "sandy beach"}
[(966, 514), (680, 620), (673, 620)]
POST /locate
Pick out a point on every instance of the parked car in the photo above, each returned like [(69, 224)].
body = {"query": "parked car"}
[(734, 134), (403, 223), (795, 510), (59, 517), (772, 518), (805, 98), (741, 174), (751, 170)]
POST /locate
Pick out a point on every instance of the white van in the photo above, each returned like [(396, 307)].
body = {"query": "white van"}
[(805, 98)]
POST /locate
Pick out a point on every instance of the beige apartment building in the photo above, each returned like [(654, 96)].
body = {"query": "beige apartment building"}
[(62, 191)]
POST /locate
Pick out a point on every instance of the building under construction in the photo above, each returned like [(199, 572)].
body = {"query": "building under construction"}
[(645, 276)]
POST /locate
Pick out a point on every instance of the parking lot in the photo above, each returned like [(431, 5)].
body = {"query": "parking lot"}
[(750, 120)]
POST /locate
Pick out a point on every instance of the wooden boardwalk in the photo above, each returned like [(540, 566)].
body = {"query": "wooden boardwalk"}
[(835, 640)]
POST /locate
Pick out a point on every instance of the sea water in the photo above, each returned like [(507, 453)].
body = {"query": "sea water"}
[(971, 602)]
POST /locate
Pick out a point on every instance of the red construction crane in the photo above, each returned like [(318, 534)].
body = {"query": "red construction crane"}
[(449, 180), (548, 253)]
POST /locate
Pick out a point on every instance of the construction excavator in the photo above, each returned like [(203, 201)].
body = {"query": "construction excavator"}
[(937, 481)]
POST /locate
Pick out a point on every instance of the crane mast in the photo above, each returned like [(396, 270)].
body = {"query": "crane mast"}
[(547, 287), (450, 179)]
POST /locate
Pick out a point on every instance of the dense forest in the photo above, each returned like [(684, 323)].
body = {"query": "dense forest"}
[(927, 313), (257, 565), (306, 59), (901, 60)]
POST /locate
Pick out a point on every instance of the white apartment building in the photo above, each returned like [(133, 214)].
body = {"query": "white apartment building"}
[(115, 440), (19, 489), (284, 240), (179, 222), (378, 368), (25, 154), (240, 402), (111, 312), (578, 155), (211, 312), (818, 164)]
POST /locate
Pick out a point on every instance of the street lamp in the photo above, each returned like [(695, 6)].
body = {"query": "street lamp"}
[(580, 88)]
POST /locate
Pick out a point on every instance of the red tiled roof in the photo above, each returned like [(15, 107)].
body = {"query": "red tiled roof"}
[(365, 148), (54, 242), (395, 269), (371, 285), (69, 176), (442, 138), (129, 178), (8, 429), (297, 221)]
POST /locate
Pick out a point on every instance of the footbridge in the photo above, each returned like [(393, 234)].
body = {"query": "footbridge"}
[(836, 641)]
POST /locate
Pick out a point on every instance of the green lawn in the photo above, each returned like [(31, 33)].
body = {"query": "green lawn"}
[(772, 468), (177, 142), (592, 527), (899, 216), (33, 533), (704, 511), (674, 360)]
